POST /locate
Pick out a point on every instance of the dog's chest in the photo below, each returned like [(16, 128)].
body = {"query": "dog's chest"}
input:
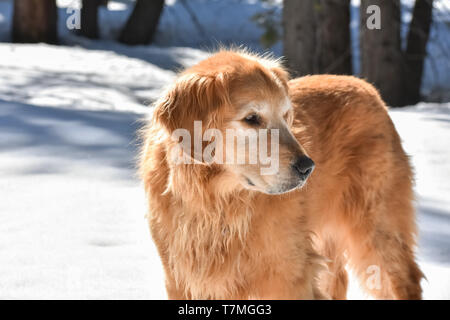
[(205, 253), (210, 256)]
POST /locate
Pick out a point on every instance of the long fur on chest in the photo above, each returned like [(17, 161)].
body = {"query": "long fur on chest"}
[(205, 251)]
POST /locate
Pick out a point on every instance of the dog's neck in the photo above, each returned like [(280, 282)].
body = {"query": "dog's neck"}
[(208, 189)]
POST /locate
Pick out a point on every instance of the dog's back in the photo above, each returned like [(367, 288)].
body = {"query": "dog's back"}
[(360, 197)]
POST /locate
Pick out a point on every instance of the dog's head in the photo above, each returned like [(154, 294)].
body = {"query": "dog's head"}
[(232, 111)]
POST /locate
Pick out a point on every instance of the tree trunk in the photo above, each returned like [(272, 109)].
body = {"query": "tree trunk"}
[(35, 21), (381, 54), (333, 45), (89, 18), (419, 31), (141, 26), (317, 36), (299, 36)]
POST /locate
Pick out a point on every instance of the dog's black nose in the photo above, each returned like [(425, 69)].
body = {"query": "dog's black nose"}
[(303, 166)]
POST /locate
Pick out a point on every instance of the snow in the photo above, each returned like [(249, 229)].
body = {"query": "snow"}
[(72, 210)]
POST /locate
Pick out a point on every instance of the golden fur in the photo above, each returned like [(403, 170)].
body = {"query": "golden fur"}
[(220, 238)]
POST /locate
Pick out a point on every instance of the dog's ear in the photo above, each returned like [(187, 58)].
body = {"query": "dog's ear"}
[(192, 98), (282, 75)]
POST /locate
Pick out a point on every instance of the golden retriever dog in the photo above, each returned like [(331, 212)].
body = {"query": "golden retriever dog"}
[(341, 192)]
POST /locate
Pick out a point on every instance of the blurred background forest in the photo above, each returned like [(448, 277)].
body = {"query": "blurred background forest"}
[(407, 58)]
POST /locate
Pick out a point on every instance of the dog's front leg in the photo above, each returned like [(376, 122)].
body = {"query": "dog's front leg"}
[(278, 287)]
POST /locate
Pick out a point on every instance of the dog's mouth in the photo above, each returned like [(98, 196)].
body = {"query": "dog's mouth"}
[(249, 182), (277, 189), (287, 187)]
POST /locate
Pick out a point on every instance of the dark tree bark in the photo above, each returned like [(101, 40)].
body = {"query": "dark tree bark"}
[(89, 18), (317, 36), (35, 21), (141, 26), (396, 73), (381, 53), (333, 45), (419, 31)]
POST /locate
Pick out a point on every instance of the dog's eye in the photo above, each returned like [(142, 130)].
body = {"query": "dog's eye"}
[(286, 116), (253, 119)]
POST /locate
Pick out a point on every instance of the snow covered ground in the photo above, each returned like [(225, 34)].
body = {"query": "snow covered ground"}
[(71, 209)]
